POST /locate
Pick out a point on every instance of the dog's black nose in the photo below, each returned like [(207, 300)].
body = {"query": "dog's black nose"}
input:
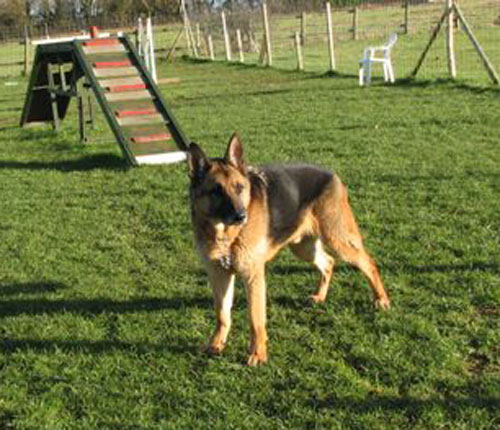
[(239, 217)]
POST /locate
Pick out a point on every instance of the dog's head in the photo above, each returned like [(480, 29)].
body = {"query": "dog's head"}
[(220, 187)]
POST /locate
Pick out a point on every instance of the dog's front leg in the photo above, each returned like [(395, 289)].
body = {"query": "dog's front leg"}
[(222, 282), (256, 292)]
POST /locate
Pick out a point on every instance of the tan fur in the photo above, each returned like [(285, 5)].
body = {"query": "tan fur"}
[(326, 226)]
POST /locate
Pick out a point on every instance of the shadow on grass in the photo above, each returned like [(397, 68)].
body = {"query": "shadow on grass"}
[(473, 266), (410, 405), (30, 288), (411, 83), (90, 307), (96, 346), (405, 179), (15, 307), (91, 162)]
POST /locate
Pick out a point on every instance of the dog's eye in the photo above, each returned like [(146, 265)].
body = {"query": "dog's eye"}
[(216, 191), (238, 188)]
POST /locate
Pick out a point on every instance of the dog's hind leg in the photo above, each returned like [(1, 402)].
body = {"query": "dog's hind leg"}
[(222, 283), (340, 233), (310, 249)]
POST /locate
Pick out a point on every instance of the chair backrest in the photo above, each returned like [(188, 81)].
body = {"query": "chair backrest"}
[(393, 38)]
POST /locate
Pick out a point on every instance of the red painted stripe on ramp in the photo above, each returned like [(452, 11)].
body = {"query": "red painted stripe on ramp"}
[(151, 138), (109, 64), (101, 42), (124, 113), (123, 88)]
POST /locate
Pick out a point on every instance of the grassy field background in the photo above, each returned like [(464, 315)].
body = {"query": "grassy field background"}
[(104, 306)]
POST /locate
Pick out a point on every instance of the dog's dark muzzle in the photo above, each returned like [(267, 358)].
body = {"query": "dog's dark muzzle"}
[(238, 217)]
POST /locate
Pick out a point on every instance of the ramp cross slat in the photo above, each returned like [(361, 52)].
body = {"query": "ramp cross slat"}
[(101, 42), (127, 96), (122, 88), (151, 138), (116, 71), (108, 64), (140, 120), (126, 113), (103, 49), (107, 83)]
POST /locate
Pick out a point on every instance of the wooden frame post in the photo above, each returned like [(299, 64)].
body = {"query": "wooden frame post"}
[(406, 25), (303, 29), (329, 33), (198, 37), (210, 44), (227, 44), (267, 34), (298, 50), (240, 45), (355, 22), (450, 40), (26, 51)]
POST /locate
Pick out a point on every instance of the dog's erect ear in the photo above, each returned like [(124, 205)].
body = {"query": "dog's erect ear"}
[(234, 151), (197, 162)]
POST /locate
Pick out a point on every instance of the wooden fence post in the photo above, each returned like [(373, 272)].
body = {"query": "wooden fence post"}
[(355, 23), (303, 29), (240, 45), (227, 45), (267, 33), (26, 51), (298, 50), (329, 31), (210, 44), (406, 24), (198, 38), (450, 40)]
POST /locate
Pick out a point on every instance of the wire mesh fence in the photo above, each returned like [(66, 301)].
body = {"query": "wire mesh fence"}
[(354, 28)]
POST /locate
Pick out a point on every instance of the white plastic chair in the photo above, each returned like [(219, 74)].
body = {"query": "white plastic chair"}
[(369, 58)]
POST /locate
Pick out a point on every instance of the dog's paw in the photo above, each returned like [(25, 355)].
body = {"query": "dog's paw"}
[(214, 349), (383, 304), (257, 359), (317, 298)]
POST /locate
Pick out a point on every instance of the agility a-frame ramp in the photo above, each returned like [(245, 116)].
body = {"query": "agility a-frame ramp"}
[(135, 110)]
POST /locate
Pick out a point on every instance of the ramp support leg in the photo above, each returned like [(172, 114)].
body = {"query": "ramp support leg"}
[(53, 99)]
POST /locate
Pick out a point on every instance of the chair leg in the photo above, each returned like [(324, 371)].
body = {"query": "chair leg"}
[(386, 72), (391, 73), (368, 72)]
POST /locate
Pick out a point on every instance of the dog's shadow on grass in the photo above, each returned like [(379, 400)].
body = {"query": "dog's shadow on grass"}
[(31, 304), (83, 164)]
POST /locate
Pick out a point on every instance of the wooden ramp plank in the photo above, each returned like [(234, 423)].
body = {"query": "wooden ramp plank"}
[(101, 42), (116, 71), (103, 49), (109, 64), (140, 120), (135, 112), (151, 138), (128, 95), (125, 88), (108, 83), (165, 158)]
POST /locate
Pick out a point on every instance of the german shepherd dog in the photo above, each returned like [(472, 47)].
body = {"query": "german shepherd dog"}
[(243, 216)]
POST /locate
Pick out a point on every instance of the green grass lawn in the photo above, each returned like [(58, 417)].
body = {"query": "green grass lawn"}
[(105, 308)]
